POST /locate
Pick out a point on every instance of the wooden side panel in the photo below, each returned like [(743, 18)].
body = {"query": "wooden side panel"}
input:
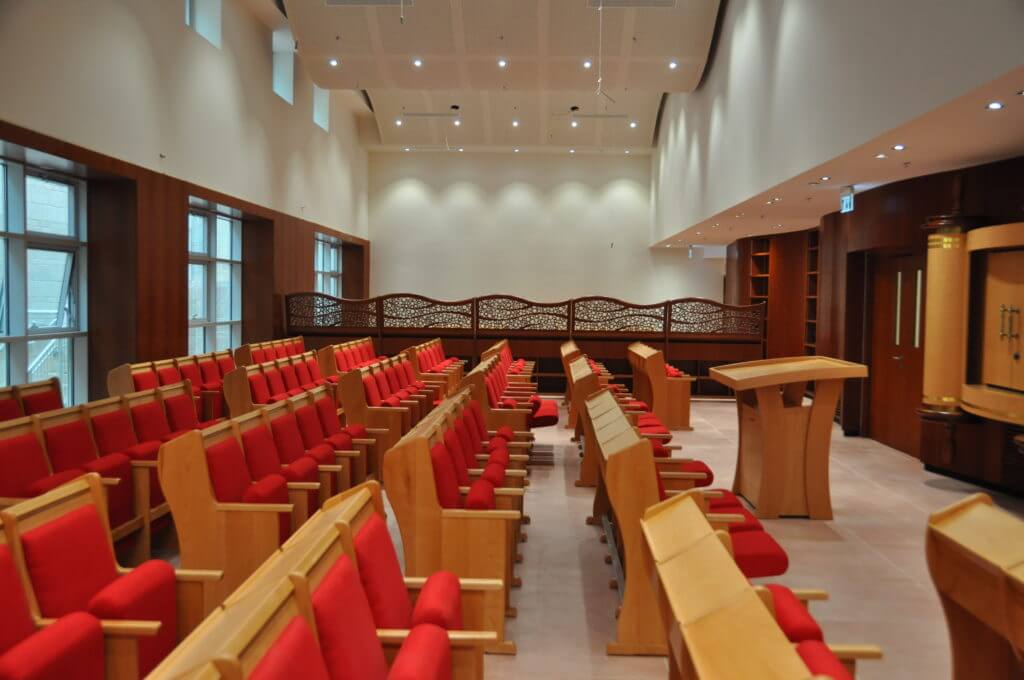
[(786, 295)]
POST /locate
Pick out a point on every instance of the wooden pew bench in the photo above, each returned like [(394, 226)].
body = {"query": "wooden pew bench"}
[(664, 388)]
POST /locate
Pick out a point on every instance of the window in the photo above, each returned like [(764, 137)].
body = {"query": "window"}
[(203, 16), (283, 46), (214, 282), (327, 265), (322, 107), (42, 279)]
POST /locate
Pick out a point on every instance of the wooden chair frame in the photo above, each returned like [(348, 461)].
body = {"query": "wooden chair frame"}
[(669, 398), (518, 418), (195, 589), (28, 389)]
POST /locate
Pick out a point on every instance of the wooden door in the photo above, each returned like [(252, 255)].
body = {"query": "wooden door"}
[(1001, 356), (897, 352)]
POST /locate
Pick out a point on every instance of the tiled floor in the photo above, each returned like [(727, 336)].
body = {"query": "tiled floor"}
[(870, 558)]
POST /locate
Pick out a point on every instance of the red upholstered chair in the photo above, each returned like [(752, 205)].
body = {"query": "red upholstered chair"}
[(295, 653), (302, 372), (168, 373), (313, 434), (233, 483), (263, 460), (180, 409), (284, 426), (348, 637), (24, 469), (39, 397), (149, 418), (143, 378), (259, 355), (70, 446), (225, 362), (113, 432), (66, 556), (71, 648), (10, 407)]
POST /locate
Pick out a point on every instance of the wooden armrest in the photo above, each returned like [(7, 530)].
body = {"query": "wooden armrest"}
[(198, 575), (304, 486), (648, 435), (452, 513), (856, 651), (110, 481), (388, 409), (144, 464), (469, 584), (347, 454), (394, 637), (518, 433), (364, 442), (724, 518), (809, 594), (377, 430), (255, 507), (507, 491), (712, 493), (682, 475), (660, 462), (119, 627)]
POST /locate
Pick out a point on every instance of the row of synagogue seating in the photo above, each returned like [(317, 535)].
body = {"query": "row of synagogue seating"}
[(116, 438), (521, 368), (29, 399), (258, 352), (332, 602), (505, 393), (665, 388), (430, 357), (205, 373), (457, 490), (720, 625), (238, 489), (70, 611), (256, 385)]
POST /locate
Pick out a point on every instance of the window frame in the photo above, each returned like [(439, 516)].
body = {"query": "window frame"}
[(209, 260), (324, 243), (16, 333)]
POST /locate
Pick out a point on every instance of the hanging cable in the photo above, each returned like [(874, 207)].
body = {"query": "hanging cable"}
[(401, 12)]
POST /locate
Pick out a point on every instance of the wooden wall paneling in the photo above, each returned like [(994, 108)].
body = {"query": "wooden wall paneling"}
[(737, 269), (112, 222), (258, 302), (162, 269), (354, 271), (827, 250)]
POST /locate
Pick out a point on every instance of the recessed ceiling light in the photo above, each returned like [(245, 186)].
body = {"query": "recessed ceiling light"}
[(417, 62), (516, 150), (632, 124), (461, 149), (698, 233), (994, 106), (575, 124), (880, 156), (406, 149), (587, 64), (715, 225), (825, 178), (457, 122), (1020, 93), (673, 65), (398, 122), (627, 151), (502, 63), (515, 123), (572, 150), (333, 62), (898, 147)]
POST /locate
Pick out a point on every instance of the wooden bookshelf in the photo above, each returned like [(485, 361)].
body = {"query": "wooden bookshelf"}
[(811, 294), (760, 271)]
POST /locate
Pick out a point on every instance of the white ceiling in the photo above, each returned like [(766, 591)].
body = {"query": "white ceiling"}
[(545, 43), (958, 134)]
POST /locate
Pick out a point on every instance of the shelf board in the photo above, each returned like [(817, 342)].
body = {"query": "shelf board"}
[(815, 272), (810, 344), (811, 320), (763, 253), (812, 297), (759, 276)]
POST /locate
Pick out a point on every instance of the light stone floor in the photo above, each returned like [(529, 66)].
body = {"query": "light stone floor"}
[(870, 559)]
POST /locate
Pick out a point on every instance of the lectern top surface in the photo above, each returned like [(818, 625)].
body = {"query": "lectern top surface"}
[(765, 372)]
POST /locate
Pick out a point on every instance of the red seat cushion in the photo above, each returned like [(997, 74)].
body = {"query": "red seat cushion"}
[(69, 560), (40, 402), (69, 649), (440, 602), (725, 498), (16, 624), (480, 496), (150, 421), (757, 554), (381, 575), (348, 643), (23, 463), (303, 470), (181, 412), (146, 593), (258, 389), (225, 365), (425, 655), (145, 380), (261, 455), (545, 415), (309, 425), (69, 445), (44, 484), (120, 498), (271, 489), (113, 431), (287, 437), (702, 467), (506, 433), (749, 523), (821, 661), (792, 616), (445, 479), (495, 474), (294, 654), (357, 431), (10, 409), (229, 474)]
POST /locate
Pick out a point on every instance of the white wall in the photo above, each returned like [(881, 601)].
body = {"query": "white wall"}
[(795, 83), (544, 227), (127, 78)]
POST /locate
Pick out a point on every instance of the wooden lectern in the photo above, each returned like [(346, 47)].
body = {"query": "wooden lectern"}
[(782, 464)]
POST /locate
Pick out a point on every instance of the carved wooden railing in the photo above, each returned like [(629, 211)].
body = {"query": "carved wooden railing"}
[(493, 315)]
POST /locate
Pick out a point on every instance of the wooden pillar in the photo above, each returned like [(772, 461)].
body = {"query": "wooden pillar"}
[(945, 332)]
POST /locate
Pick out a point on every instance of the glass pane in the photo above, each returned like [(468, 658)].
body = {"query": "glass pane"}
[(197, 292), (320, 284), (49, 358), (49, 279), (48, 206), (318, 256), (223, 238), (3, 286), (222, 337), (223, 307), (336, 287), (3, 197), (197, 233), (196, 345), (335, 264), (4, 375)]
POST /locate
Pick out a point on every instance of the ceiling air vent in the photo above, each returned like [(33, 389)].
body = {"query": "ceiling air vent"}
[(370, 3), (632, 4)]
